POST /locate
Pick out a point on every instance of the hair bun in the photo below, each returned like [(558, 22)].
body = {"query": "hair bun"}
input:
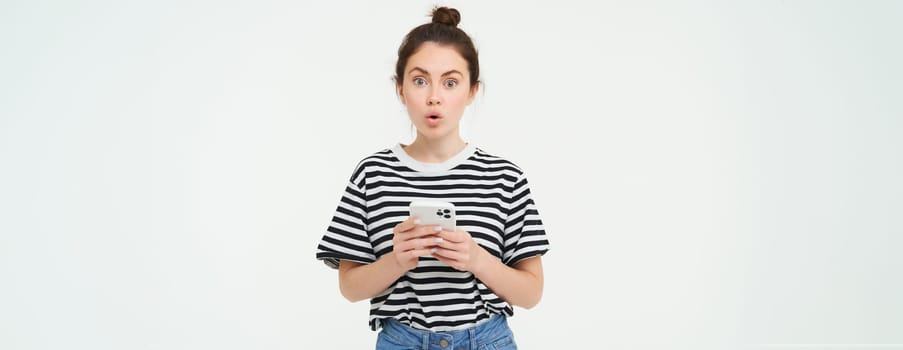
[(446, 15)]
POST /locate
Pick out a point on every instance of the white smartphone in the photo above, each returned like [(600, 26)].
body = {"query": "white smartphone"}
[(434, 213)]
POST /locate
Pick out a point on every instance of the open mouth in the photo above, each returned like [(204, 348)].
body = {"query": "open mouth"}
[(433, 120)]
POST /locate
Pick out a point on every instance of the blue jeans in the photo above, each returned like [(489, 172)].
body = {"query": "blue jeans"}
[(493, 334)]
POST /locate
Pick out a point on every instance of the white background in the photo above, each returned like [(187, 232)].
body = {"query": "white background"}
[(712, 175)]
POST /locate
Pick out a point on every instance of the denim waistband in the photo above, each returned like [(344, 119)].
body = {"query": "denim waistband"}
[(492, 331)]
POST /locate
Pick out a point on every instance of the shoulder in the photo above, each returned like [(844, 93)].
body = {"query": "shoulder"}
[(383, 159), (493, 161), (384, 155)]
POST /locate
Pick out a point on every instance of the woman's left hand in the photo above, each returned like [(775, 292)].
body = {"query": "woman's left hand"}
[(459, 250)]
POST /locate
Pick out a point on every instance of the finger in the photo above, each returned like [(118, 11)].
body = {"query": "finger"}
[(441, 242), (422, 231), (406, 246), (457, 265), (447, 261), (449, 254), (444, 243), (458, 236), (416, 253), (418, 243), (431, 241), (421, 243), (405, 225)]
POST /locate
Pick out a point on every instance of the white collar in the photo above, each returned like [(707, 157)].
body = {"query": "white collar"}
[(433, 167)]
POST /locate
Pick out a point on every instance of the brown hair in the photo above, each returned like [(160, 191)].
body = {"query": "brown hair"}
[(443, 30)]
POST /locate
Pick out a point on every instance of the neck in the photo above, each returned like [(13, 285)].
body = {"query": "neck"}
[(435, 150)]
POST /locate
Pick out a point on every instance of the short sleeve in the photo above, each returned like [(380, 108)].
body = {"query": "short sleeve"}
[(525, 236), (346, 237)]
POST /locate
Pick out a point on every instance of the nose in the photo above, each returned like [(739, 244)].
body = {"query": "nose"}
[(433, 99)]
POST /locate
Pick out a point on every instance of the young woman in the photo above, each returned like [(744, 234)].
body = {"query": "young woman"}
[(430, 288)]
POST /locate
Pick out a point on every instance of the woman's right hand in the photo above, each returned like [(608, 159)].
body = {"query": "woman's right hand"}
[(411, 241)]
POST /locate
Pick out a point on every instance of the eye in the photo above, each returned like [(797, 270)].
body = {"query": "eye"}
[(418, 81), (451, 83)]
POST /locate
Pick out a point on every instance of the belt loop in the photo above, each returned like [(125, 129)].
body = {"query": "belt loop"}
[(473, 337), (426, 340)]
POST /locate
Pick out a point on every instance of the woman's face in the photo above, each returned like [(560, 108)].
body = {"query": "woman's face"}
[(436, 89)]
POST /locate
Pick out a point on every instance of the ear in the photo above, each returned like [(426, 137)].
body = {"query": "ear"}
[(473, 93), (399, 90)]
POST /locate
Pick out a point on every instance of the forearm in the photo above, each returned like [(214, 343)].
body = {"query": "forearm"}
[(520, 285), (363, 281)]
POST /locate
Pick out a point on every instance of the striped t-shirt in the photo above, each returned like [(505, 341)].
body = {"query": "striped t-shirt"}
[(492, 202)]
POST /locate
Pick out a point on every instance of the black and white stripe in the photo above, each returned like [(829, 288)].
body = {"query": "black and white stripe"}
[(493, 203)]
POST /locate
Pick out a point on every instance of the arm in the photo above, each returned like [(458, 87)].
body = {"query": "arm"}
[(363, 281), (519, 285)]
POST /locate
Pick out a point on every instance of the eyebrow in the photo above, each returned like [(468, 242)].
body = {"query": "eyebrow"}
[(428, 73)]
